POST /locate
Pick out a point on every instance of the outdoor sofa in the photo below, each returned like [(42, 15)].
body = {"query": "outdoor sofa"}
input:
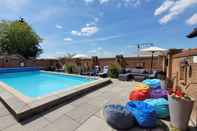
[(136, 74)]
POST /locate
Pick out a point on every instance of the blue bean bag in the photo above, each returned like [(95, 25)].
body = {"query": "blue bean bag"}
[(144, 113), (160, 105), (118, 117), (153, 83)]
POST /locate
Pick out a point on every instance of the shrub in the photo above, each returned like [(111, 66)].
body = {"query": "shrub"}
[(68, 68), (114, 71)]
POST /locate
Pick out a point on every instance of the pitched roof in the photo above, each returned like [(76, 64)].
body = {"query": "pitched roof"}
[(187, 52)]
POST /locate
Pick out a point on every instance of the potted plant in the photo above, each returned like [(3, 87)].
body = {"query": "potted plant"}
[(114, 71), (68, 68), (180, 107)]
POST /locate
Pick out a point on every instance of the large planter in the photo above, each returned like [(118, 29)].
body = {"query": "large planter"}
[(163, 84), (180, 111)]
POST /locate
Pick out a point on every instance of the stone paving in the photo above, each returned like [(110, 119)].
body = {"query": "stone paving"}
[(82, 114)]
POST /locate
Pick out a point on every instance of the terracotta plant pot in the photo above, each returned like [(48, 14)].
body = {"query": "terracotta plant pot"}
[(180, 112)]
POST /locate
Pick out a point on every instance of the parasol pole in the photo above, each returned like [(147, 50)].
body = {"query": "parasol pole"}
[(152, 62)]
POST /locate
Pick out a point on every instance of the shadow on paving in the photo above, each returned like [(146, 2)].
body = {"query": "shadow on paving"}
[(161, 126), (53, 108)]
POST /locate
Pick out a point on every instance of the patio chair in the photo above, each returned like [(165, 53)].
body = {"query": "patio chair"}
[(105, 72)]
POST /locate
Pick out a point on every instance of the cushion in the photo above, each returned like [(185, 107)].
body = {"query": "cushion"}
[(159, 93), (160, 105), (135, 70), (144, 113), (118, 117), (152, 83)]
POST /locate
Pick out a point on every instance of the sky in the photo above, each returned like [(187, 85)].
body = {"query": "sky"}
[(105, 27)]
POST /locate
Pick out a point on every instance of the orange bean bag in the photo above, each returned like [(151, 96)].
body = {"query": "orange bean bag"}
[(139, 95)]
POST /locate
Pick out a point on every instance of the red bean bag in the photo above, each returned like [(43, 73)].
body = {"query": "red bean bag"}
[(139, 95)]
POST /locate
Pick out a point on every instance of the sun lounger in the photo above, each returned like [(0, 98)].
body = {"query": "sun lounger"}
[(105, 72)]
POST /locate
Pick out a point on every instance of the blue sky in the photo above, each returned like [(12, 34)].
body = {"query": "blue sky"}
[(105, 27)]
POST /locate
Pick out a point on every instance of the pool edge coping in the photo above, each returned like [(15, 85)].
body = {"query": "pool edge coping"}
[(22, 109)]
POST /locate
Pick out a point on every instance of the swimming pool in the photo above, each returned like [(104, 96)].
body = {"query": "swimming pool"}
[(37, 83), (27, 91)]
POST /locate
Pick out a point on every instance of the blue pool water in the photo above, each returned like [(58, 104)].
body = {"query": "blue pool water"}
[(36, 83)]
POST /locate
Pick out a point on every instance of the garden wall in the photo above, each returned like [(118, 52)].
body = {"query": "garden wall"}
[(131, 62)]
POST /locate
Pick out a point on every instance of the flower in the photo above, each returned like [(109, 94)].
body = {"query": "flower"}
[(178, 93)]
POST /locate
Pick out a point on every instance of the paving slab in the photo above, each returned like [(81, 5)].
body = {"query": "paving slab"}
[(79, 101), (94, 124), (7, 121), (34, 123), (56, 113), (64, 123), (83, 112), (4, 111), (17, 127), (99, 114)]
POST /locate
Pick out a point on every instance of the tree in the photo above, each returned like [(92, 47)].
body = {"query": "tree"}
[(17, 37), (70, 55)]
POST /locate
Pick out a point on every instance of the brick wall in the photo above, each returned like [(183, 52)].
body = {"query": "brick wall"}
[(191, 68), (15, 62), (132, 62)]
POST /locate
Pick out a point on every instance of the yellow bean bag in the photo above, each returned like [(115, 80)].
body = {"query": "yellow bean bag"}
[(141, 86)]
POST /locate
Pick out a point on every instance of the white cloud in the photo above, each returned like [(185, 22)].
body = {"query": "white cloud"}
[(100, 52), (13, 4), (58, 26), (89, 29), (98, 39), (192, 20), (85, 31), (104, 1), (173, 8), (77, 33), (164, 7), (88, 1), (119, 3), (68, 39)]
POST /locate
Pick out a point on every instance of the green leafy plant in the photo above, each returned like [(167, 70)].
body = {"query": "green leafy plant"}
[(114, 71), (69, 68)]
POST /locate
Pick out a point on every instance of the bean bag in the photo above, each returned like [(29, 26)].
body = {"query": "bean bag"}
[(159, 93), (153, 83), (160, 105), (144, 113), (138, 95), (118, 117), (141, 86)]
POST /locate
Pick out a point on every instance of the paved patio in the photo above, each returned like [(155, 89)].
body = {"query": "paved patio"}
[(82, 114)]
